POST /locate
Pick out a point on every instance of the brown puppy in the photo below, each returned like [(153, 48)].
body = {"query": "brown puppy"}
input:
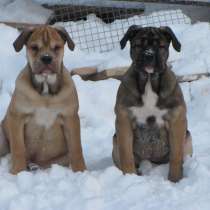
[(42, 124), (150, 110)]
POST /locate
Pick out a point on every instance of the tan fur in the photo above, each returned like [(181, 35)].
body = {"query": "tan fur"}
[(46, 38), (44, 129)]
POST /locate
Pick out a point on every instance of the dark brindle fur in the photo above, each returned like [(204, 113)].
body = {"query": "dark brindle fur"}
[(135, 140)]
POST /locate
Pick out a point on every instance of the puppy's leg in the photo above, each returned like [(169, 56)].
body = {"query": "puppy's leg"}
[(116, 156), (14, 126), (188, 148), (115, 152), (72, 135), (125, 142), (177, 134), (4, 144)]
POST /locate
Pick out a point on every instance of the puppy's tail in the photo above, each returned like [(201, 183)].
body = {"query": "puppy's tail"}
[(4, 144)]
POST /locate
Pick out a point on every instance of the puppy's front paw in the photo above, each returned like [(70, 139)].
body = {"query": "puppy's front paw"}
[(78, 167), (16, 169), (175, 176), (129, 170)]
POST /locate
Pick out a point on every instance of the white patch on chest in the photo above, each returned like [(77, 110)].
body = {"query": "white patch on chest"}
[(45, 88), (45, 116), (149, 107)]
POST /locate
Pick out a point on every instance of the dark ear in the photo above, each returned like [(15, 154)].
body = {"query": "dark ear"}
[(65, 36), (172, 38), (22, 39), (129, 35)]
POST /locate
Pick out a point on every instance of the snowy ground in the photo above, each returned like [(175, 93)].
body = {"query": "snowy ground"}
[(103, 187), (25, 11)]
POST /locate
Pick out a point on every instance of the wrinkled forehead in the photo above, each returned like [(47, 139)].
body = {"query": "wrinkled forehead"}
[(45, 36), (151, 33)]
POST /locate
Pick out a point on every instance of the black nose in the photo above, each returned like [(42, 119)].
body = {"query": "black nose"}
[(149, 55), (46, 59)]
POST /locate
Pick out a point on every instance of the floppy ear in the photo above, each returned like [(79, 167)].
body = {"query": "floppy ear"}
[(129, 35), (172, 38), (65, 36), (22, 39)]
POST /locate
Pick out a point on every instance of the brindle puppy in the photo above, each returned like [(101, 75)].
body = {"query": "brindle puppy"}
[(150, 110)]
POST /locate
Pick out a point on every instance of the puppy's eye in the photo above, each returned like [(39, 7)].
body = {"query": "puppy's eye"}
[(34, 48), (162, 46), (136, 45), (156, 42), (57, 47), (143, 39)]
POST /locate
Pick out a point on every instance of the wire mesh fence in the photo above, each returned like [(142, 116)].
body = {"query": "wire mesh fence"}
[(97, 26)]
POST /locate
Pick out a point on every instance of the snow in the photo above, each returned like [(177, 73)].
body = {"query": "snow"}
[(25, 11), (103, 186), (190, 50)]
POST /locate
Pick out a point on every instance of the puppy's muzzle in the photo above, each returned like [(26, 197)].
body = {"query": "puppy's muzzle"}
[(149, 60), (47, 65)]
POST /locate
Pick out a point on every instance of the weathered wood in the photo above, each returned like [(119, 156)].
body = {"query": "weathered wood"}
[(84, 72), (92, 74), (192, 77)]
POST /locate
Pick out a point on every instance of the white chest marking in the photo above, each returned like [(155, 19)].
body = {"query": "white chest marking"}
[(149, 107), (46, 79), (45, 89), (46, 116)]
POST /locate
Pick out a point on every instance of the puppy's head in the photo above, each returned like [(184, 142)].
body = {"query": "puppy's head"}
[(45, 50), (150, 47)]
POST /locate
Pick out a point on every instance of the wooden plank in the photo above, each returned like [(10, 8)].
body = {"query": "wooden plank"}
[(84, 71), (193, 77), (92, 74), (101, 4)]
